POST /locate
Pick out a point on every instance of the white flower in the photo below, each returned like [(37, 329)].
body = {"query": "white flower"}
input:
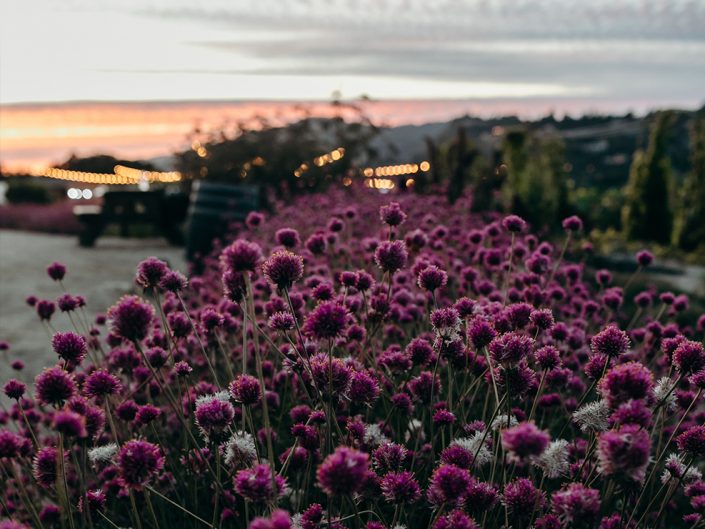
[(102, 454), (240, 450), (374, 435), (554, 460), (674, 468), (475, 445), (503, 421), (592, 416), (415, 427), (223, 396), (664, 392)]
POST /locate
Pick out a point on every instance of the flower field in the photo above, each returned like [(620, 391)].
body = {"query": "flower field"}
[(355, 362)]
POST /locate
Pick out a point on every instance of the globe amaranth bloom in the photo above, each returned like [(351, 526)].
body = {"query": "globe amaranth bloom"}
[(456, 519), (214, 416), (611, 342), (525, 440), (576, 504), (131, 318), (56, 271), (287, 237), (45, 466), (69, 423), (644, 257), (521, 497), (241, 256), (343, 472), (689, 357), (514, 224), (138, 461), (326, 321), (624, 452), (256, 484), (391, 256), (692, 441), (69, 346), (392, 214), (281, 321), (150, 272), (572, 224), (279, 519), (432, 278), (400, 487), (246, 390), (510, 348), (14, 389), (283, 268), (173, 281), (448, 484), (631, 380), (331, 372), (53, 386), (101, 383)]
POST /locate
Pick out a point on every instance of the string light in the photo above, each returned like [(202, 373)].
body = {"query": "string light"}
[(121, 176), (396, 170)]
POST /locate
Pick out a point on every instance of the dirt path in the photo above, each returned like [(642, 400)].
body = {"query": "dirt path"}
[(101, 274)]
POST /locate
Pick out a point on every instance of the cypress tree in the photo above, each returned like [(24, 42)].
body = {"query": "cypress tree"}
[(689, 228), (647, 214)]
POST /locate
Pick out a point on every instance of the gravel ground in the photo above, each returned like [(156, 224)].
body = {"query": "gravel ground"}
[(101, 274)]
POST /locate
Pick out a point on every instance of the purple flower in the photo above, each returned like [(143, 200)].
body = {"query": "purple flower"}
[(255, 484), (173, 281), (254, 219), (521, 497), (150, 272), (282, 321), (391, 256), (67, 302), (246, 390), (432, 278), (316, 244), (572, 224), (234, 285), (390, 457), (644, 257), (283, 268), (611, 342), (330, 372), (69, 423), (510, 348), (45, 309), (547, 357), (14, 389), (56, 271), (343, 472), (241, 256), (364, 388), (689, 357), (214, 416), (69, 346), (525, 440), (287, 237), (456, 519), (131, 318), (481, 333), (392, 214), (100, 383), (326, 321), (54, 386), (279, 519), (692, 441), (624, 452), (577, 504), (10, 444), (400, 487), (138, 461), (448, 485), (45, 465), (514, 224), (631, 380)]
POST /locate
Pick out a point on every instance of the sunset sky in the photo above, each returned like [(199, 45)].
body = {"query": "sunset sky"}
[(524, 55)]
